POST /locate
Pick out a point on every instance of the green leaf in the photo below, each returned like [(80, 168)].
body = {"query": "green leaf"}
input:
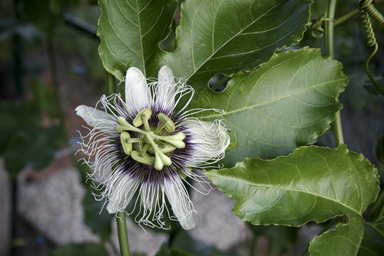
[(165, 251), (130, 32), (80, 250), (288, 102), (231, 36), (311, 184), (373, 240)]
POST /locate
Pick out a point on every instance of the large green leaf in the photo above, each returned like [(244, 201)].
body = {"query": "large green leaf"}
[(231, 36), (130, 32), (288, 102), (311, 184)]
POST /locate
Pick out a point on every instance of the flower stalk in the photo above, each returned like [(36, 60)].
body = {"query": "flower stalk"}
[(122, 233)]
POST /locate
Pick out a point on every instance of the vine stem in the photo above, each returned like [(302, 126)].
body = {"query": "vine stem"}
[(329, 50), (122, 233), (110, 83), (346, 17)]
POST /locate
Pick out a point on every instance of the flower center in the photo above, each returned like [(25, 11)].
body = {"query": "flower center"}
[(154, 147)]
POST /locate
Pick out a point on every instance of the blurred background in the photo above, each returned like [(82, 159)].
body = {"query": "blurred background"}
[(49, 65)]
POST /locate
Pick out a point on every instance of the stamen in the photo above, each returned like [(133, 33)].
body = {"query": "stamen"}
[(146, 159), (165, 149), (144, 149), (166, 123), (138, 121), (127, 147), (145, 122), (176, 139), (125, 126)]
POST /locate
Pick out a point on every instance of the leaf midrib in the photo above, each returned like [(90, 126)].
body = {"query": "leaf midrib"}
[(225, 43), (264, 103), (141, 38), (234, 179)]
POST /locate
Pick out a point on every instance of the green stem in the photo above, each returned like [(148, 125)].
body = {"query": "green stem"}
[(329, 50), (123, 235), (14, 216), (254, 246), (110, 83), (346, 17)]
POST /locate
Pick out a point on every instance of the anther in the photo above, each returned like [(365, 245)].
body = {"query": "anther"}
[(138, 121), (127, 147), (146, 159), (125, 126), (166, 123)]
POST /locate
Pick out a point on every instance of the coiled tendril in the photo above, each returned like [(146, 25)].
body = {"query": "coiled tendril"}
[(366, 7)]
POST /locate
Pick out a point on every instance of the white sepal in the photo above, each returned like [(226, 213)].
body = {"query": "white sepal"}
[(93, 116)]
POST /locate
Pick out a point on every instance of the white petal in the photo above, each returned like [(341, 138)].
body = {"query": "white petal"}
[(209, 141), (93, 116), (165, 75), (165, 90), (137, 92), (181, 204)]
